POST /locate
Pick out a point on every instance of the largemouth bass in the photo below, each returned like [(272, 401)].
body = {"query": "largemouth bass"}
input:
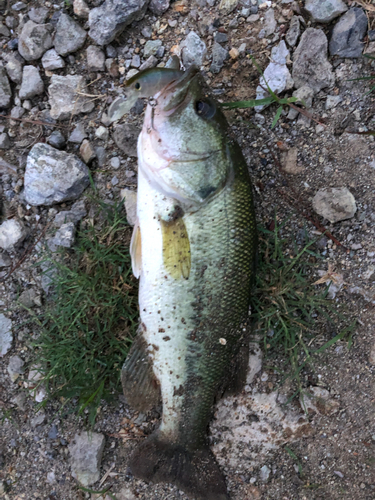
[(193, 248)]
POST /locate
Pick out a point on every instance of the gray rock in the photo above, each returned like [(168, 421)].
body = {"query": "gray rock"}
[(39, 419), (4, 141), (193, 50), (5, 91), (38, 14), (81, 8), (125, 137), (334, 204), (293, 32), (79, 133), (332, 101), (348, 33), (17, 112), (63, 97), (304, 96), (101, 133), (324, 11), (15, 367), (4, 30), (112, 17), (130, 201), (151, 47), (220, 37), (64, 237), (69, 36), (74, 215), (228, 6), (12, 232), (14, 68), (136, 61), (51, 60), (115, 162), (269, 23), (87, 151), (29, 298), (6, 335), (53, 176), (264, 473), (219, 55), (95, 58), (310, 64), (101, 155), (276, 74), (32, 83), (5, 261), (34, 40), (158, 7), (19, 6), (57, 140), (86, 451), (151, 62)]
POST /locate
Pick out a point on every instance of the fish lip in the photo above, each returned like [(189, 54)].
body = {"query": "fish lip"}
[(181, 84)]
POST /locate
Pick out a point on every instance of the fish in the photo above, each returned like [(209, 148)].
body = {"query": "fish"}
[(194, 251)]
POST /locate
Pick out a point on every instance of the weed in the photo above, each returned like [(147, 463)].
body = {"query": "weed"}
[(371, 78), (295, 458), (89, 324), (288, 309)]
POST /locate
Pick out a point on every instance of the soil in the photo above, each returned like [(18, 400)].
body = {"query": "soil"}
[(335, 459)]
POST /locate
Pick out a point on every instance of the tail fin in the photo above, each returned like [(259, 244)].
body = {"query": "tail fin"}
[(195, 472)]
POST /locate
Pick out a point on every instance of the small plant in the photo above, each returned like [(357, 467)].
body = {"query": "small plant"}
[(288, 309), (89, 324), (371, 78)]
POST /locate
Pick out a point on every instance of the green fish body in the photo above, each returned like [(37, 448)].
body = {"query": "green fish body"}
[(193, 249)]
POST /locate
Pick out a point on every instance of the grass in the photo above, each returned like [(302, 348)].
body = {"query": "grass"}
[(89, 324), (289, 311)]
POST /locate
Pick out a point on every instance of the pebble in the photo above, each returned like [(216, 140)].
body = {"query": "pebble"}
[(115, 162), (270, 23), (6, 335), (95, 58), (75, 214), (228, 6), (130, 201), (289, 162), (53, 176), (39, 419), (151, 62), (151, 47), (34, 40), (4, 141), (81, 9), (87, 151), (51, 60), (14, 67), (220, 37), (101, 133), (5, 90), (348, 33), (158, 7), (193, 50), (86, 451), (17, 112), (293, 32), (29, 298), (69, 36), (32, 83), (219, 55), (334, 204), (110, 19), (136, 61), (15, 367), (64, 237), (79, 133), (57, 140), (324, 11), (4, 30), (310, 63), (101, 155), (332, 101), (125, 137), (5, 261), (264, 473), (63, 97), (38, 14), (19, 6), (12, 233), (371, 359)]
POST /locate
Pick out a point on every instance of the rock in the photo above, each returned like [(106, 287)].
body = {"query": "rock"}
[(64, 237), (111, 18), (51, 60), (63, 97), (32, 83), (332, 101), (324, 11), (12, 232), (269, 23), (4, 141), (5, 91), (101, 133), (115, 162), (101, 155), (87, 151), (14, 68), (19, 6), (289, 162), (264, 473), (86, 451), (34, 382), (29, 298), (220, 37), (151, 47), (6, 335), (293, 32), (228, 6), (334, 204), (158, 7), (15, 367), (81, 9), (136, 61), (53, 176), (38, 14), (5, 261), (219, 55), (310, 64), (34, 40), (151, 62), (304, 97), (276, 74), (95, 58), (75, 214), (319, 400), (193, 50), (57, 140), (39, 419), (371, 357), (17, 112), (125, 137), (348, 33), (69, 36), (79, 133), (4, 31), (130, 201)]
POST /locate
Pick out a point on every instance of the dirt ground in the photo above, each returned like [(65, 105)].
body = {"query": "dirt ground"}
[(332, 455)]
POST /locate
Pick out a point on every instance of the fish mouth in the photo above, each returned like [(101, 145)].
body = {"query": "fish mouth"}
[(176, 93)]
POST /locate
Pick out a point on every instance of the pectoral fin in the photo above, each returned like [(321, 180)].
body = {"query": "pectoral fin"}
[(176, 248), (136, 250)]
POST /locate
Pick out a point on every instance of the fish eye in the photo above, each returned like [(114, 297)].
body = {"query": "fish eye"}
[(137, 86), (205, 109)]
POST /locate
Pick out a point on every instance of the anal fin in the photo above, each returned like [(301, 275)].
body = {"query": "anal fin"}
[(140, 386), (176, 248)]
